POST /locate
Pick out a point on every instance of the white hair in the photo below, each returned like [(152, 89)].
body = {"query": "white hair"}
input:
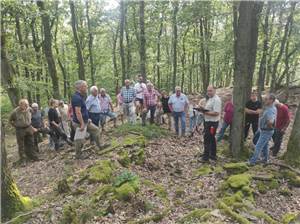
[(94, 88), (35, 105), (79, 83), (178, 88), (102, 90)]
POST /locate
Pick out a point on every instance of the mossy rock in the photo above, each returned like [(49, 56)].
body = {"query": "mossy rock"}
[(238, 181), (101, 192), (262, 215), (232, 199), (69, 215), (290, 218), (235, 168), (195, 216), (203, 170), (125, 192), (138, 157), (63, 186), (124, 159), (101, 172), (228, 211), (131, 141)]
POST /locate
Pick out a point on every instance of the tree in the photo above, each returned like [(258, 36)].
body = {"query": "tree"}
[(91, 39), (174, 42), (122, 51), (245, 55), (47, 47), (11, 199), (81, 73), (142, 41), (293, 150)]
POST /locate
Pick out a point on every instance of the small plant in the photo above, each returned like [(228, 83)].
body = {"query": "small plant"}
[(124, 177)]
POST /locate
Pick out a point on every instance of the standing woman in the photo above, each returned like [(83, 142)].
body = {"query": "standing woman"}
[(54, 123), (63, 110)]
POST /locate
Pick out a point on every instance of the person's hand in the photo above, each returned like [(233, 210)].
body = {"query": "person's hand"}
[(144, 110), (81, 127), (34, 130)]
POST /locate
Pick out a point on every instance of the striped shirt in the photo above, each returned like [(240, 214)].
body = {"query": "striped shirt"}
[(128, 94)]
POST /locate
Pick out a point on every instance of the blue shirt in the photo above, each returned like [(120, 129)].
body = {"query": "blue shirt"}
[(178, 102), (93, 104), (128, 94), (78, 101), (269, 114)]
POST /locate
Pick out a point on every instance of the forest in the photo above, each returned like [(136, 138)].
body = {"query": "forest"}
[(147, 174)]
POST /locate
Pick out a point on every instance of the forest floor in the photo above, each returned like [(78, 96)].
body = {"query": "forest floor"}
[(148, 175)]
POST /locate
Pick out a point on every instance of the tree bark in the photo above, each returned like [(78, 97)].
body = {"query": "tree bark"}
[(142, 41), (174, 42), (292, 155), (263, 61), (158, 53), (245, 54), (91, 39), (81, 72), (11, 199), (47, 47), (122, 52)]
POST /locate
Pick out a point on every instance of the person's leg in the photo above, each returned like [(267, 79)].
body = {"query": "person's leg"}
[(222, 131), (278, 136), (132, 116), (256, 137), (206, 141), (262, 141), (36, 141), (55, 138), (247, 126), (21, 146), (182, 118), (265, 151), (152, 113), (192, 123), (144, 117), (169, 121), (78, 143), (254, 125), (213, 144), (29, 145), (176, 119), (113, 116), (95, 132)]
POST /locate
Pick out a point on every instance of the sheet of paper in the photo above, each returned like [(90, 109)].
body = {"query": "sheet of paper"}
[(80, 135)]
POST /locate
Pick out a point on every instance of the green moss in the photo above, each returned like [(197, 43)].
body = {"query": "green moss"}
[(262, 187), (63, 186), (69, 215), (101, 192), (179, 192), (218, 169), (79, 191), (230, 200), (124, 159), (289, 218), (159, 189), (262, 215), (235, 168), (203, 170), (125, 192), (292, 177), (138, 157), (196, 215), (238, 181), (101, 172), (228, 211), (285, 191)]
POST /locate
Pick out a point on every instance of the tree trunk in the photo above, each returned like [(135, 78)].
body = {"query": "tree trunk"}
[(293, 150), (81, 72), (174, 42), (263, 61), (47, 47), (245, 54), (8, 74), (122, 53), (282, 46), (91, 39), (158, 53), (114, 58), (142, 41), (11, 199)]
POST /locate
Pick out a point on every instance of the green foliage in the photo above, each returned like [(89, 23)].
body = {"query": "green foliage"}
[(69, 215), (125, 176), (238, 181), (101, 172), (290, 218), (203, 170), (235, 168), (262, 215)]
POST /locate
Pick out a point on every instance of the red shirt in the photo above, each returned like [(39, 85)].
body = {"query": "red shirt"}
[(283, 116), (150, 97), (228, 109)]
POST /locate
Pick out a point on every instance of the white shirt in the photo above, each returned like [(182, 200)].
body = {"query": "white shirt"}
[(178, 103), (213, 104), (139, 88)]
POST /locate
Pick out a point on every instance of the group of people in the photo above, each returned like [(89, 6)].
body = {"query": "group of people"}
[(86, 115)]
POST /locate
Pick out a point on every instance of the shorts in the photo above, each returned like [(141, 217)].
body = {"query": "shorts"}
[(106, 114), (141, 101)]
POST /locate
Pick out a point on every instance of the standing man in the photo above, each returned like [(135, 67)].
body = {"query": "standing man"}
[(165, 106), (37, 123), (139, 87), (128, 94), (282, 122), (20, 118), (81, 121), (151, 98), (93, 106), (107, 109), (212, 112), (266, 130), (252, 110), (178, 104)]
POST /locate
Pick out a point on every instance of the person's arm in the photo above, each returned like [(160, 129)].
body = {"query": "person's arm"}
[(79, 117), (110, 104), (186, 105), (88, 103)]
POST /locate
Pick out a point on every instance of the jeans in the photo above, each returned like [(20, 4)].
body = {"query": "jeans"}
[(152, 112), (261, 145), (129, 112), (103, 116), (277, 139), (176, 116), (210, 145), (254, 124), (95, 118), (222, 131)]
